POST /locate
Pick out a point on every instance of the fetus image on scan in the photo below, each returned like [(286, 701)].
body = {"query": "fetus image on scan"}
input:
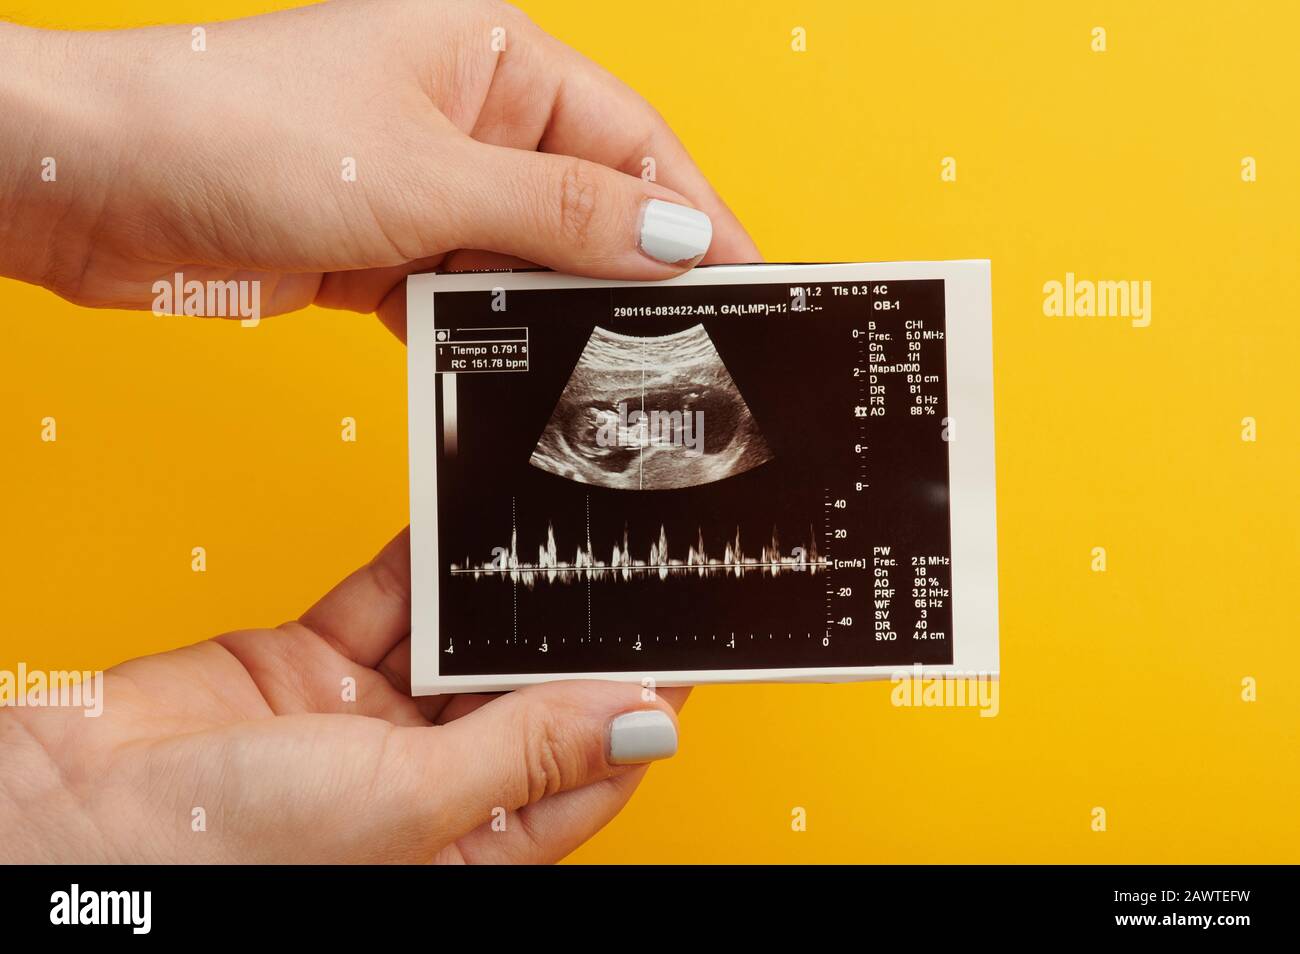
[(654, 413)]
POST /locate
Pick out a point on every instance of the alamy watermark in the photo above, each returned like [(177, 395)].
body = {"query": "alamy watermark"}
[(1085, 298), (640, 428), (35, 688), (211, 299), (915, 689), (133, 909)]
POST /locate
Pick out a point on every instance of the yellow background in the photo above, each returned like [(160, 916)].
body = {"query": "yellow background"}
[(1120, 689)]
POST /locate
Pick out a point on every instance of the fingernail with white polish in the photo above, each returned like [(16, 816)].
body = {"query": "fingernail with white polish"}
[(643, 736), (674, 233)]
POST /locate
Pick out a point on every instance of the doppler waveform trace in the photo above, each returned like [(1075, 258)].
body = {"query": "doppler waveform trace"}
[(549, 568)]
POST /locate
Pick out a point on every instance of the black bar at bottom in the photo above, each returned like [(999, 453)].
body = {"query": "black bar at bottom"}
[(384, 905)]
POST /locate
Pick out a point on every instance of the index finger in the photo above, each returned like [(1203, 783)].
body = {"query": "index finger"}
[(595, 116)]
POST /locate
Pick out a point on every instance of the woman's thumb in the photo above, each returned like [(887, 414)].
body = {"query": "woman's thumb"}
[(534, 742), (576, 216)]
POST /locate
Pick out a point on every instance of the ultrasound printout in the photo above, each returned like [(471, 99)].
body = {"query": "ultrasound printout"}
[(641, 478)]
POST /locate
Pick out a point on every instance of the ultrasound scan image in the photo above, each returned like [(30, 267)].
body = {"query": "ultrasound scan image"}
[(683, 478)]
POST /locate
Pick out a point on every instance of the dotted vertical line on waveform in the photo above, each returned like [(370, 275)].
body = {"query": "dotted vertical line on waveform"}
[(641, 439), (590, 556), (514, 576)]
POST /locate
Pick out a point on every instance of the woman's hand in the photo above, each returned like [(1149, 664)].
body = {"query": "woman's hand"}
[(246, 748), (328, 152)]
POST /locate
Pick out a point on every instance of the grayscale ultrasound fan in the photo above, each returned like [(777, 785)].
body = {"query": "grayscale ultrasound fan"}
[(650, 414)]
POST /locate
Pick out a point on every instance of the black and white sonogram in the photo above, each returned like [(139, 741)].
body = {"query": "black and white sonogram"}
[(683, 478), (650, 412)]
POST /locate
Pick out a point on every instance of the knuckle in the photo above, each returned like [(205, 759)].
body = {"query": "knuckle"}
[(390, 584), (576, 202), (544, 755)]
